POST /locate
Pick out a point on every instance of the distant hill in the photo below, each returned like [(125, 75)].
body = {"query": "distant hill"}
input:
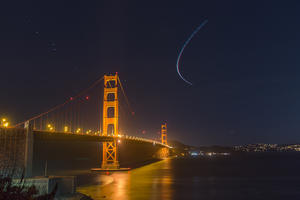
[(179, 145), (216, 149)]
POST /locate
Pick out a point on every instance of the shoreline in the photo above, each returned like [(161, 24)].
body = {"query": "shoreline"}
[(76, 196)]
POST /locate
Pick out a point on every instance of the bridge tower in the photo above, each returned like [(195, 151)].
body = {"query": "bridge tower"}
[(110, 121), (164, 133)]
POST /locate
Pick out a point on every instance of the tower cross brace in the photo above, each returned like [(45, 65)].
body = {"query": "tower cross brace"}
[(110, 121)]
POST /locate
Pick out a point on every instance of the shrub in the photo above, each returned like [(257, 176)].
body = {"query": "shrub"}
[(18, 191)]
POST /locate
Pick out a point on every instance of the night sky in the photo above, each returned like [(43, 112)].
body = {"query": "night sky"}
[(244, 64)]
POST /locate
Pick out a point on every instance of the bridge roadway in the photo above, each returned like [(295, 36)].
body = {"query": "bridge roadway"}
[(67, 151), (60, 136)]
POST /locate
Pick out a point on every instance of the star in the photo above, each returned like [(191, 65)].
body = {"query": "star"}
[(53, 44)]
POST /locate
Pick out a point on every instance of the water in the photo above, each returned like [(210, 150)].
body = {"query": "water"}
[(257, 176)]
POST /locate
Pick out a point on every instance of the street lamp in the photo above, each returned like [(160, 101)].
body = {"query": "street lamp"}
[(66, 129), (50, 127), (4, 123)]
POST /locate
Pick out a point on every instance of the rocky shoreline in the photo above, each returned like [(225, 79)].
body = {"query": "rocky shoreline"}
[(76, 196)]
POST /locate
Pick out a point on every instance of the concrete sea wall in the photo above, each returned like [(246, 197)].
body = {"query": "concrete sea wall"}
[(12, 151)]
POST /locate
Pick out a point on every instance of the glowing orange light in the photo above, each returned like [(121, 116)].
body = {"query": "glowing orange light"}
[(4, 123), (66, 129)]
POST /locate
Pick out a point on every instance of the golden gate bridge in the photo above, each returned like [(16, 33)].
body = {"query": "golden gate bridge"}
[(81, 115)]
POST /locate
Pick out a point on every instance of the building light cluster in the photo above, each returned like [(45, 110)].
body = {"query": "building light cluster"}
[(207, 154), (261, 147), (291, 147)]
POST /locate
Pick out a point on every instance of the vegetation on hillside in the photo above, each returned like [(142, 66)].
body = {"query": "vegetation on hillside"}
[(11, 191)]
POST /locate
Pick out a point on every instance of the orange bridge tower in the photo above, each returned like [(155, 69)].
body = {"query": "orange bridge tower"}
[(164, 133), (110, 121)]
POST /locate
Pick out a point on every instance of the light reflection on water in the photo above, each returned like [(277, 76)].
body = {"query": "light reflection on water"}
[(149, 182), (242, 177)]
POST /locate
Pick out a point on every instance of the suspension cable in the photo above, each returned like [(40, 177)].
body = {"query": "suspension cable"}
[(61, 105), (126, 98)]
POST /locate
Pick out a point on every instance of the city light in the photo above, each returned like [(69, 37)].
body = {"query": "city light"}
[(119, 141), (50, 127), (78, 130), (4, 123), (66, 129)]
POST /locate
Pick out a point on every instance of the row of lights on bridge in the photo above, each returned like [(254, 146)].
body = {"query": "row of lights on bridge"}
[(78, 131), (4, 123), (89, 132), (66, 129)]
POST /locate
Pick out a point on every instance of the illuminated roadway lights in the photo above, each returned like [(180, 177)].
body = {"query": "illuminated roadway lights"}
[(66, 129), (119, 141), (50, 127), (98, 133), (88, 132), (78, 130), (4, 123)]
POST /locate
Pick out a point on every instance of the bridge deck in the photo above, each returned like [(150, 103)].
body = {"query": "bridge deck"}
[(49, 135)]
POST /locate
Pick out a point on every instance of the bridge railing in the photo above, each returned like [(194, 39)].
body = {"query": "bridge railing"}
[(154, 142), (127, 137)]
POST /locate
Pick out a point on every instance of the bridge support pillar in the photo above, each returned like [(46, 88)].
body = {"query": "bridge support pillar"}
[(164, 133), (28, 150), (164, 152), (110, 121), (110, 159), (110, 125)]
